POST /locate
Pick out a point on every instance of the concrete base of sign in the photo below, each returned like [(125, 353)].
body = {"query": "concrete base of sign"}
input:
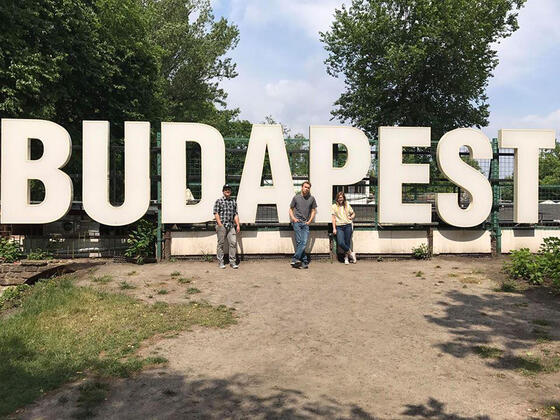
[(461, 242), (248, 242), (254, 242), (513, 239)]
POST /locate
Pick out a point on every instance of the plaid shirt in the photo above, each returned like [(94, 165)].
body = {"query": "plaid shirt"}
[(226, 209)]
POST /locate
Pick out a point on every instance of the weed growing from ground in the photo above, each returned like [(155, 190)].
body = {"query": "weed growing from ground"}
[(102, 279), (162, 292), (184, 280), (124, 285), (488, 352), (175, 274), (92, 394), (192, 290)]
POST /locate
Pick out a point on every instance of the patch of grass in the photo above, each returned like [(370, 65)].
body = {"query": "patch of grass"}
[(452, 275), (507, 286), (162, 292), (131, 273), (419, 274), (469, 280), (102, 279), (175, 274), (551, 409), (542, 335), (532, 365), (155, 360), (13, 296), (184, 280), (62, 331), (542, 322), (124, 285), (488, 352), (92, 394), (172, 260), (193, 290)]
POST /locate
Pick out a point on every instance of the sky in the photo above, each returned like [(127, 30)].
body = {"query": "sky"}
[(280, 61)]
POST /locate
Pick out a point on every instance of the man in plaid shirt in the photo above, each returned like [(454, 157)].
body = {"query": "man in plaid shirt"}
[(227, 226)]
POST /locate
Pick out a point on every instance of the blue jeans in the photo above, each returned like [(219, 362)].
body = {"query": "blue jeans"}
[(302, 235), (344, 236)]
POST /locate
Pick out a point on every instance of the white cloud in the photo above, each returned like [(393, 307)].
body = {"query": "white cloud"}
[(545, 121), (537, 36), (296, 103), (311, 16)]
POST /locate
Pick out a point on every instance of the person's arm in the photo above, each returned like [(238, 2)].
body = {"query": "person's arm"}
[(292, 217), (333, 225), (216, 214), (311, 216), (236, 220), (351, 213)]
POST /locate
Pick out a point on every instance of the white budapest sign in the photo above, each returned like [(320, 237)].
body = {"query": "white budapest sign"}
[(18, 169)]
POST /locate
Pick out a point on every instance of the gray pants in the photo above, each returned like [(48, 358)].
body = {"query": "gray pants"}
[(231, 240)]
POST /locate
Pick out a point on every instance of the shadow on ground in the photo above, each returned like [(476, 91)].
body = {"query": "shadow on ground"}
[(509, 319), (165, 395), (434, 409)]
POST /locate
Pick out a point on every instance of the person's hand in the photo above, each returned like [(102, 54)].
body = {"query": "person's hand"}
[(308, 222), (238, 228), (334, 231), (295, 220)]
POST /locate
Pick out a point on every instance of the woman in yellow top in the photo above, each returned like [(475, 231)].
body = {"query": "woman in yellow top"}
[(342, 216)]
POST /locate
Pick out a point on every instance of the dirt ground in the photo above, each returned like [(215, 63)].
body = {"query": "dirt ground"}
[(375, 340)]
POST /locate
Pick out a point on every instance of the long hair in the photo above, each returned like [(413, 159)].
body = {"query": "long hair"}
[(338, 194)]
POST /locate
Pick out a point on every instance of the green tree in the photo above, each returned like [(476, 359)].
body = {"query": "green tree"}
[(549, 173), (73, 60), (417, 62), (193, 60)]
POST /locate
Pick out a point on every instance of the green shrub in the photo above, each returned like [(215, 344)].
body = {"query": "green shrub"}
[(421, 252), (10, 250), (538, 267), (524, 265), (39, 254), (141, 242), (550, 259)]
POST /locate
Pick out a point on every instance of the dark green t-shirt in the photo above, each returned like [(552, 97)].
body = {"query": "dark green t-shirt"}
[(302, 206)]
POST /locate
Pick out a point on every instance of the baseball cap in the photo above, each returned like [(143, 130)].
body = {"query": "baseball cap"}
[(226, 187)]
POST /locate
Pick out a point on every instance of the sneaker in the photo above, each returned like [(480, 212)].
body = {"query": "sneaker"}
[(346, 260), (304, 266), (222, 265), (353, 257), (296, 263), (234, 265)]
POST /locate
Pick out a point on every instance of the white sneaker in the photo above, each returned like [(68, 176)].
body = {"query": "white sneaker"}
[(222, 265), (234, 265), (346, 260), (353, 257)]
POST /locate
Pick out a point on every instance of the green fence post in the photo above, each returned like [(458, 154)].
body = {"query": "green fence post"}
[(376, 186), (158, 205), (495, 179)]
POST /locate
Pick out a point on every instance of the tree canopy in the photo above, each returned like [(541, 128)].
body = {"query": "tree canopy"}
[(417, 62), (116, 60)]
